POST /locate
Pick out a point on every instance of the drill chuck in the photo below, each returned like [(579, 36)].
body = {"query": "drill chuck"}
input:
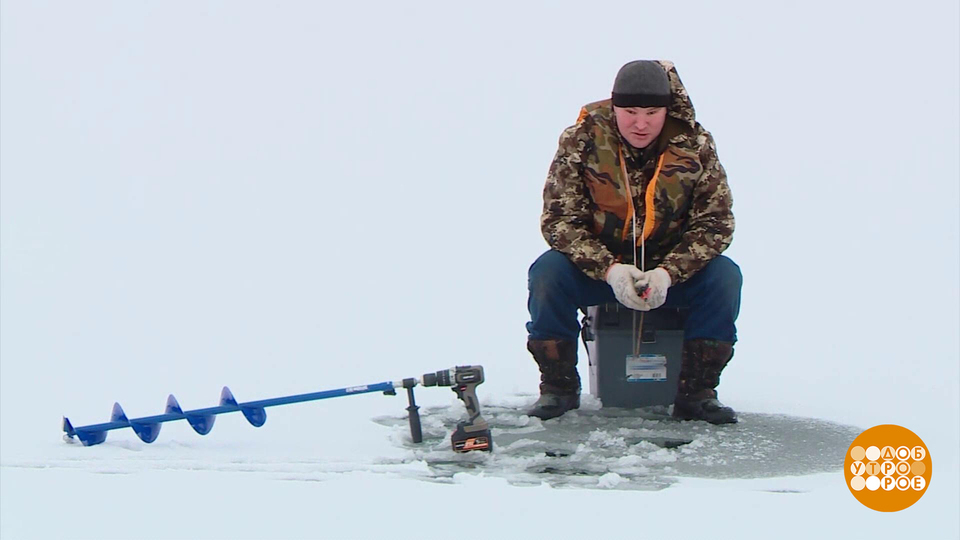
[(440, 378)]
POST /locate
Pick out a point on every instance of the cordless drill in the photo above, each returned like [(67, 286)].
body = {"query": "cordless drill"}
[(473, 434)]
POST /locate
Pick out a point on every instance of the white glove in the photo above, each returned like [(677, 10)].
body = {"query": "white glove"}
[(653, 285), (623, 280)]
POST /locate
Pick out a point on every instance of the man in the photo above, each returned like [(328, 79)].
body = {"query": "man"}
[(636, 173)]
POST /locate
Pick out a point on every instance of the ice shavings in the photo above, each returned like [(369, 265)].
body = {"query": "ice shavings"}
[(609, 480), (645, 449)]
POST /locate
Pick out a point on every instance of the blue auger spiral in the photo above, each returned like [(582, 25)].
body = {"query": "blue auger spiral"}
[(201, 420)]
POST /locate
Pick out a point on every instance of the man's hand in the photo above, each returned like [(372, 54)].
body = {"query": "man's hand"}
[(654, 284), (623, 280)]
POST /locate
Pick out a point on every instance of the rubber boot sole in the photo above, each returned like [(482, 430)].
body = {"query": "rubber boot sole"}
[(551, 406)]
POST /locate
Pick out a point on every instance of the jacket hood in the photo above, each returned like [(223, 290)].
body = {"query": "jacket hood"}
[(680, 107)]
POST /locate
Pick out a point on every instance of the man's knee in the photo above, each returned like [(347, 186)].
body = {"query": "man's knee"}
[(550, 271), (723, 275)]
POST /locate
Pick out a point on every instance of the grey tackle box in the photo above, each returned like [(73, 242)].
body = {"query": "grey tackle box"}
[(650, 379)]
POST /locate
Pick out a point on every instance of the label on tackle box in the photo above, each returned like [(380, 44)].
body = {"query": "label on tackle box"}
[(646, 368)]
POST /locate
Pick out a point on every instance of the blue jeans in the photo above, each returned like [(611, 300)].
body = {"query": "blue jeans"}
[(558, 289)]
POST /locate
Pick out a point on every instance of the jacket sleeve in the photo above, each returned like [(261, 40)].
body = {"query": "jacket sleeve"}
[(710, 223), (567, 217)]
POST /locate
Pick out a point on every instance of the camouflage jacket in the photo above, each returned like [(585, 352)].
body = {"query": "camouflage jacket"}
[(676, 187)]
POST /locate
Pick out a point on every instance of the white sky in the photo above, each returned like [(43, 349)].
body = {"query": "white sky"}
[(295, 196)]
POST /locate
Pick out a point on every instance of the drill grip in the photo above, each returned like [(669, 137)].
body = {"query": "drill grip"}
[(468, 394)]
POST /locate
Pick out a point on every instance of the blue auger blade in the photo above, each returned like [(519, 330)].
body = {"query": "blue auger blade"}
[(201, 423), (117, 415), (148, 428), (255, 415), (173, 406), (226, 397), (147, 431), (87, 437)]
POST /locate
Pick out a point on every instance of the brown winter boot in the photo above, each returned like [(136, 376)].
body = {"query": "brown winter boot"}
[(703, 360), (559, 380)]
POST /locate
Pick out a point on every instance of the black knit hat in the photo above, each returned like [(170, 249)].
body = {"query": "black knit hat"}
[(641, 83)]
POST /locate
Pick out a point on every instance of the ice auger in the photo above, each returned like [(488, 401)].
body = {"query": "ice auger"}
[(472, 434)]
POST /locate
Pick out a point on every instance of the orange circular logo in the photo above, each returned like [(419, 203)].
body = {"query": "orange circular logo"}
[(888, 468)]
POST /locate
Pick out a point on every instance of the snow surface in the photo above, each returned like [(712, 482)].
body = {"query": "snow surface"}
[(303, 196)]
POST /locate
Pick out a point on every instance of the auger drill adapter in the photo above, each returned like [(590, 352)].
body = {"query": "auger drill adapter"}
[(474, 434)]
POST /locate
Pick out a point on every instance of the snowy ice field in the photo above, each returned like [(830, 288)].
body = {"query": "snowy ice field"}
[(302, 196)]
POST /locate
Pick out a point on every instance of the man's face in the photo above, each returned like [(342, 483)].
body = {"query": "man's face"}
[(640, 126)]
